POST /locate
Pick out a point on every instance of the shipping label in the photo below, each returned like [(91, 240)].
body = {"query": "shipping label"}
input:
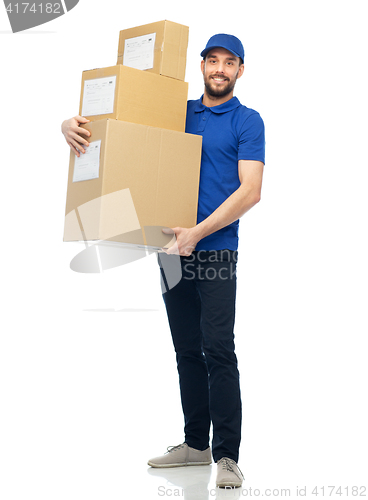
[(87, 165), (139, 52), (99, 96)]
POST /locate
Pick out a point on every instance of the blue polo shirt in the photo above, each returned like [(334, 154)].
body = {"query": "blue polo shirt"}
[(230, 132)]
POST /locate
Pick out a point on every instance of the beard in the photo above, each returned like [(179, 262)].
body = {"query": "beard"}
[(213, 91)]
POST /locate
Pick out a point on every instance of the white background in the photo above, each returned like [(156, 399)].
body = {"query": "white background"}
[(89, 387)]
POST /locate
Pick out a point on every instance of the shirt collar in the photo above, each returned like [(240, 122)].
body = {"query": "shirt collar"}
[(221, 108)]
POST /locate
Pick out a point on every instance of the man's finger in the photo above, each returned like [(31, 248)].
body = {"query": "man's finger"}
[(173, 250), (83, 131), (79, 140), (81, 119), (78, 146), (75, 151)]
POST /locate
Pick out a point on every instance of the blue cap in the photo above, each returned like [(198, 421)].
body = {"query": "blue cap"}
[(228, 42)]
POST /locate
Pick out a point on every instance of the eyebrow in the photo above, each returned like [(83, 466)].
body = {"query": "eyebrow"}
[(229, 58)]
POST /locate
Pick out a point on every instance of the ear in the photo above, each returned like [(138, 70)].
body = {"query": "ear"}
[(241, 71), (203, 62)]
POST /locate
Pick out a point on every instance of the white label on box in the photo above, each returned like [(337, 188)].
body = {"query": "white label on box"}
[(87, 166), (98, 96), (139, 51)]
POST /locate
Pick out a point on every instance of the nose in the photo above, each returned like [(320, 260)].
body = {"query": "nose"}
[(221, 67)]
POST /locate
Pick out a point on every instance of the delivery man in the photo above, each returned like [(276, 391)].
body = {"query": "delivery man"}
[(201, 307)]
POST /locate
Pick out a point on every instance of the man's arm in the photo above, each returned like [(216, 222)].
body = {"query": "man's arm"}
[(71, 130), (236, 205)]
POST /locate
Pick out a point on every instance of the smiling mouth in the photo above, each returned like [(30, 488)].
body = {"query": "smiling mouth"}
[(219, 79)]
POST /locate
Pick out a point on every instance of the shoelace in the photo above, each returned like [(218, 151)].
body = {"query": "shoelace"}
[(228, 464), (173, 448)]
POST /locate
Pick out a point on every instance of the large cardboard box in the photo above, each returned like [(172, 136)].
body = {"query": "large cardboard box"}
[(132, 95), (157, 47), (133, 181)]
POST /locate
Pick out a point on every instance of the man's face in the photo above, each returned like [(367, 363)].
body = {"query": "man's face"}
[(220, 71)]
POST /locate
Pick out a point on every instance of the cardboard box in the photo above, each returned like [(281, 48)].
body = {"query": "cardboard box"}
[(136, 180), (132, 95), (159, 48)]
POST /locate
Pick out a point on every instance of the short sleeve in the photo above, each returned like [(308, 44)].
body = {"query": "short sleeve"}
[(252, 139)]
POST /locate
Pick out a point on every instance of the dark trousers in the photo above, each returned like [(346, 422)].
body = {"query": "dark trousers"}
[(201, 314)]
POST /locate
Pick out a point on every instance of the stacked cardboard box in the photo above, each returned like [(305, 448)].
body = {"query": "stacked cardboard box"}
[(132, 95), (159, 48), (141, 171)]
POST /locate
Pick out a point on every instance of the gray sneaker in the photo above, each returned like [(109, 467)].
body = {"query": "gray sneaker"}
[(182, 455), (228, 474)]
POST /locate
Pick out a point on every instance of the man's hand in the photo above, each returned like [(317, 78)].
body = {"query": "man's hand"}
[(186, 240), (71, 130)]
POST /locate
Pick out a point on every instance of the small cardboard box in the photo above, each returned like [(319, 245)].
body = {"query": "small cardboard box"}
[(159, 48), (133, 181), (132, 95)]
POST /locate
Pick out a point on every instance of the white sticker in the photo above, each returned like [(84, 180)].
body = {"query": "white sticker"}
[(98, 96), (87, 166), (139, 51)]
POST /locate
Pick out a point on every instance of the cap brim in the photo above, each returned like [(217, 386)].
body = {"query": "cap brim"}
[(208, 49)]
